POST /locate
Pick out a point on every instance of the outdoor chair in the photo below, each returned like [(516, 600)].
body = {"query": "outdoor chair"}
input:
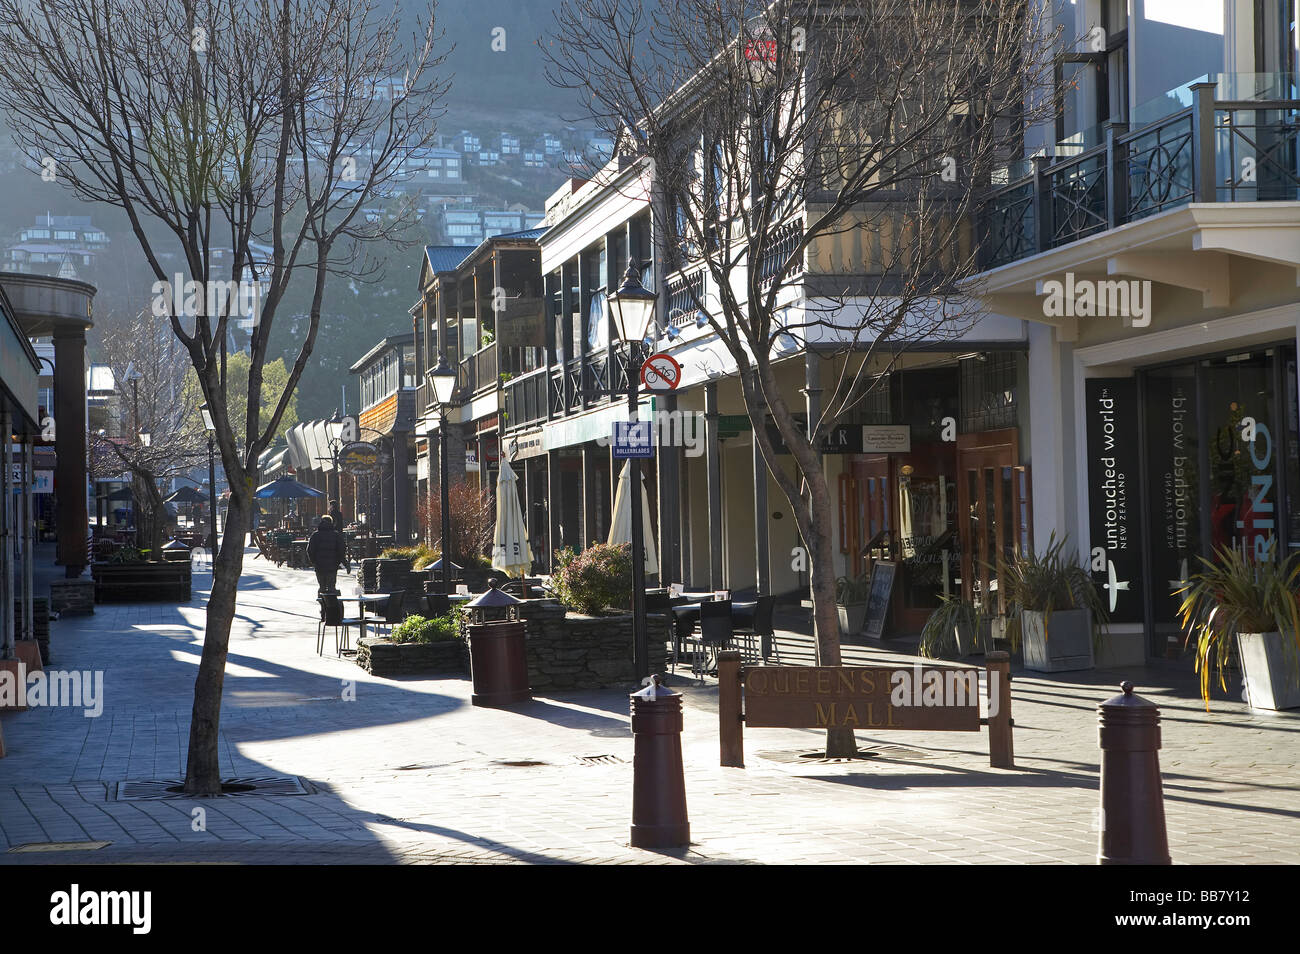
[(437, 604), (331, 614), (393, 611), (761, 629), (662, 603), (715, 634)]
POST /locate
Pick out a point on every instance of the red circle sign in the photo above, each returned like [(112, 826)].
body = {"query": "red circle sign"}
[(660, 372)]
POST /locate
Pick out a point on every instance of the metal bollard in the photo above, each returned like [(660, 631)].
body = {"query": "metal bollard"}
[(1132, 802), (658, 784)]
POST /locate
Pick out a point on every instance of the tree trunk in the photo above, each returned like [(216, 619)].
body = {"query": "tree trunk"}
[(203, 768), (840, 742)]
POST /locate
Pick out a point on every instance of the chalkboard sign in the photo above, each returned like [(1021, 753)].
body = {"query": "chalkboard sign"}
[(882, 587)]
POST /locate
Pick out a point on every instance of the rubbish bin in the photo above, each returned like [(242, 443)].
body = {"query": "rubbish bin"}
[(498, 660)]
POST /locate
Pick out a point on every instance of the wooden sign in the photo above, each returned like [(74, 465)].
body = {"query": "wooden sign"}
[(818, 697), (882, 588), (870, 698)]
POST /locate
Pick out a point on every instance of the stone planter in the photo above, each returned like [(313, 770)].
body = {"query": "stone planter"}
[(853, 616), (571, 651), (1272, 680), (141, 582), (972, 643), (1063, 645), (381, 657), (369, 575)]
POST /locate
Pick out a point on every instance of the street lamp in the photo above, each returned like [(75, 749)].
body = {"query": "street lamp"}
[(443, 379), (633, 308), (211, 427)]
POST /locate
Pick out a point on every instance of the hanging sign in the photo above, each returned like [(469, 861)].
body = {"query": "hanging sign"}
[(359, 458)]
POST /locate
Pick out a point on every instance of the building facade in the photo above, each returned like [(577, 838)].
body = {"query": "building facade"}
[(1152, 242)]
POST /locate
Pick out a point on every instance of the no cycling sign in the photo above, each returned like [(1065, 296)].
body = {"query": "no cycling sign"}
[(660, 372)]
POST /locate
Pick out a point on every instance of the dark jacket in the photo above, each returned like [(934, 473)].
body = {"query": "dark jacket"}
[(327, 549), (337, 516)]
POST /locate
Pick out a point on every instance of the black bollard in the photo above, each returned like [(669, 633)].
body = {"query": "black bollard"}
[(658, 783), (1132, 802)]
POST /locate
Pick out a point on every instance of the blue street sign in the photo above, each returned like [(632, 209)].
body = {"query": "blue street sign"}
[(633, 439)]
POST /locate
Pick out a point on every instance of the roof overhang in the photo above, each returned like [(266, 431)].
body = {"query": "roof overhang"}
[(1191, 247)]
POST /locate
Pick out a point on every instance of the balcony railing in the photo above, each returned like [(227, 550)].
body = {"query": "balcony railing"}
[(683, 292), (1211, 151), (783, 243), (526, 399)]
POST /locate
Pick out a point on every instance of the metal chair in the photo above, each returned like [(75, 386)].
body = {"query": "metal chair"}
[(761, 628), (437, 604), (331, 614), (715, 635), (662, 603), (393, 611)]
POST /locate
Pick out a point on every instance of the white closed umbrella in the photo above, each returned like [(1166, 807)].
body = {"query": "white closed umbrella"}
[(510, 550), (620, 528)]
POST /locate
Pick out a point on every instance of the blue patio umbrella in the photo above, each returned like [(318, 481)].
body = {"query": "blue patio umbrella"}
[(286, 487)]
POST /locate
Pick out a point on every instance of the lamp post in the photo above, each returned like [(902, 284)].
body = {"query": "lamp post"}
[(134, 377), (443, 378), (211, 427), (633, 308)]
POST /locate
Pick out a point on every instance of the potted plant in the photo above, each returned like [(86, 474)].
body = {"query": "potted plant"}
[(851, 603), (1258, 603), (1054, 611), (957, 628)]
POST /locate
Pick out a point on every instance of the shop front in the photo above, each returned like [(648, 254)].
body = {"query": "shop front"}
[(1186, 459)]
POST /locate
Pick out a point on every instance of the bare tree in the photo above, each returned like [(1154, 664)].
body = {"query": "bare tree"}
[(236, 125), (163, 438), (771, 128)]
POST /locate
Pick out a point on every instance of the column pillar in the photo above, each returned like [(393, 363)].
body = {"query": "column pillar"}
[(29, 536), (587, 528), (386, 491), (714, 464), (70, 447), (401, 491), (668, 485), (684, 533), (812, 379), (7, 522), (553, 502), (762, 546)]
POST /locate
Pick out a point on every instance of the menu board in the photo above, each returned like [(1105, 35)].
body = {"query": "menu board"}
[(882, 588)]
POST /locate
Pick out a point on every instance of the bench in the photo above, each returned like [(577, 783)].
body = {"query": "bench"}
[(141, 582)]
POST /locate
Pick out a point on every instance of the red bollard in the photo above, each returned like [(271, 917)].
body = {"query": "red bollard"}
[(1132, 801), (658, 783)]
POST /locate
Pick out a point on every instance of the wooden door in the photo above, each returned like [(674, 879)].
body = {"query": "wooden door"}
[(993, 510)]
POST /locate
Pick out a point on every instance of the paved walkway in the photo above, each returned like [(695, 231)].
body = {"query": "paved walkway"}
[(408, 771)]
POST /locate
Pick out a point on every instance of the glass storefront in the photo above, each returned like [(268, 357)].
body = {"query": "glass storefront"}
[(1221, 469)]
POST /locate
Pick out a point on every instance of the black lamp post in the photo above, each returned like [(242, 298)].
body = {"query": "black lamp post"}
[(211, 427), (633, 308), (443, 378)]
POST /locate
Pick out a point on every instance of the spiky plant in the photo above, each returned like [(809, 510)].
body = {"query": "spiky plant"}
[(1046, 582), (1233, 595)]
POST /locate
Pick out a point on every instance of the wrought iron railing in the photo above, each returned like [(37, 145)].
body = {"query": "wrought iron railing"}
[(782, 245), (1211, 151), (683, 293)]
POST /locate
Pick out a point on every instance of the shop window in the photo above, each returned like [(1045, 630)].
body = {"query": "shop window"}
[(989, 391)]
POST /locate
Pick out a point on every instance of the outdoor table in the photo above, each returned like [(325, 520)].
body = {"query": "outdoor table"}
[(686, 615), (363, 601)]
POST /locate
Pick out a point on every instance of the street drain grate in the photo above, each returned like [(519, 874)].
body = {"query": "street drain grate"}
[(600, 760), (41, 846), (892, 753), (135, 790)]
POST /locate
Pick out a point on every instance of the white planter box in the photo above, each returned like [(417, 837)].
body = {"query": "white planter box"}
[(1271, 680), (852, 618), (1063, 646)]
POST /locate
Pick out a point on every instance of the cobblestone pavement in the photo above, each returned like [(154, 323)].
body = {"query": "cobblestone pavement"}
[(409, 772)]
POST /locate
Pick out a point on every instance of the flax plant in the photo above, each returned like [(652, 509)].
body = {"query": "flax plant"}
[(1234, 595)]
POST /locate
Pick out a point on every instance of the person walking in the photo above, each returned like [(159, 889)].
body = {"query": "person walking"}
[(327, 551), (336, 515)]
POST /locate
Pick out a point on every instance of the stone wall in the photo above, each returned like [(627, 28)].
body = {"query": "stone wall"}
[(72, 597), (569, 651), (380, 657)]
